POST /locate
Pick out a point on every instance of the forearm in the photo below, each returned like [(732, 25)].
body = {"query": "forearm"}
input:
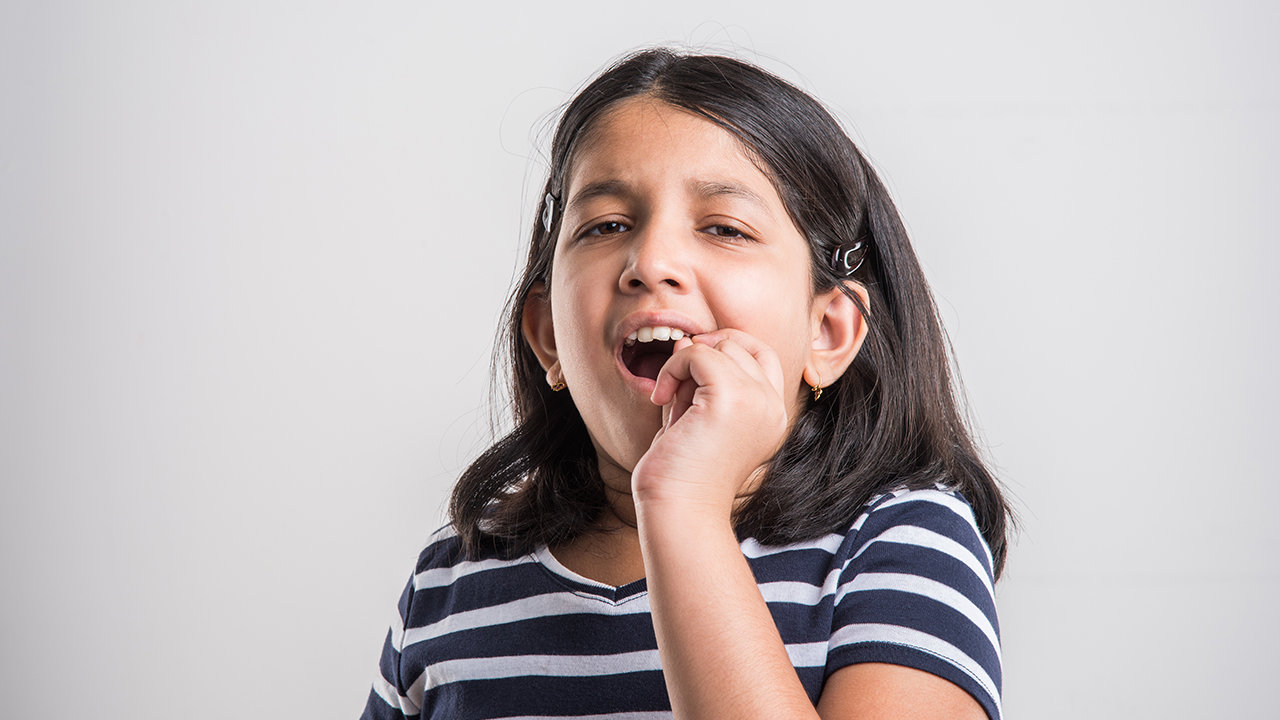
[(721, 653)]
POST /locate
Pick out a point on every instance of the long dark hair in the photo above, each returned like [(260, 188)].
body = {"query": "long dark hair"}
[(891, 421)]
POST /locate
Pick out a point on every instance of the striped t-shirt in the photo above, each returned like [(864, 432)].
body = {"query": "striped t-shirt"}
[(910, 583)]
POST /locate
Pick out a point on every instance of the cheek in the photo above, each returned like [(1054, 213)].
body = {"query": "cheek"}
[(780, 306), (794, 342), (578, 327)]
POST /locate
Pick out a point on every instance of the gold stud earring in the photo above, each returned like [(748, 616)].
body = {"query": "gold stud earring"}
[(817, 388), (558, 385)]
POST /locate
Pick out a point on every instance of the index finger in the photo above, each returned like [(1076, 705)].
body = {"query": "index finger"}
[(763, 353)]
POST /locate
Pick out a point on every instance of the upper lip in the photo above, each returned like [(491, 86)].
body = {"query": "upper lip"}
[(659, 318)]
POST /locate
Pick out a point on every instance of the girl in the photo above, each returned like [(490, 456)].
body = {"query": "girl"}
[(738, 485)]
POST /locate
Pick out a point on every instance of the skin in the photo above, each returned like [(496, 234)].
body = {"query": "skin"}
[(668, 221)]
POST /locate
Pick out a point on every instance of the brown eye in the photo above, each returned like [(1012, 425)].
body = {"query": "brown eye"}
[(608, 228), (726, 231)]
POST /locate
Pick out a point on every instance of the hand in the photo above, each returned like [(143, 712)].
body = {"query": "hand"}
[(723, 417)]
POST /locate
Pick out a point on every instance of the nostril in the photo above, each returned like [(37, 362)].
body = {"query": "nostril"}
[(635, 283)]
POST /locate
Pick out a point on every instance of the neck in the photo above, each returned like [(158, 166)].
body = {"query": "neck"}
[(617, 488), (609, 552)]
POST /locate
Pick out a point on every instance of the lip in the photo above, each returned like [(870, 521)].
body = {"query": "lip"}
[(637, 320)]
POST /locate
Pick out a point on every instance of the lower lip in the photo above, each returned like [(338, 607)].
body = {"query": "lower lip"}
[(642, 385)]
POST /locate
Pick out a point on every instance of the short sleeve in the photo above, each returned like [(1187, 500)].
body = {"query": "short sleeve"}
[(917, 590)]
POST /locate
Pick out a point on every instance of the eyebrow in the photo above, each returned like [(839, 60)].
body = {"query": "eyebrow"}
[(706, 189), (600, 188), (714, 188)]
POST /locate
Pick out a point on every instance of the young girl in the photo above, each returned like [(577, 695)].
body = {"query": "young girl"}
[(738, 484)]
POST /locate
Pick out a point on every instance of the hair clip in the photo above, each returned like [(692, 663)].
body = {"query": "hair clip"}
[(847, 258), (548, 212)]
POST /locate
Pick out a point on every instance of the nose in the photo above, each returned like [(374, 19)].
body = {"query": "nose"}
[(658, 259)]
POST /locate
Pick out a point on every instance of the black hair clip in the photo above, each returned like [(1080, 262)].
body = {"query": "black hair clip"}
[(847, 258), (548, 212)]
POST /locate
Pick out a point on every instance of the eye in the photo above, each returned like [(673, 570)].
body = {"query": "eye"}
[(611, 227), (728, 231)]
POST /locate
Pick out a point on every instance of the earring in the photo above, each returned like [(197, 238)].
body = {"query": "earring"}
[(558, 385), (817, 388)]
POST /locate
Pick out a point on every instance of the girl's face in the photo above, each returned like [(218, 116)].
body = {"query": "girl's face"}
[(668, 226)]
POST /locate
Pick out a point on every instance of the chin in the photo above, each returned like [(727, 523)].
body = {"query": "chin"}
[(624, 446)]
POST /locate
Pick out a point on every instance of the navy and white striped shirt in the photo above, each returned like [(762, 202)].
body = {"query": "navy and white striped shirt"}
[(910, 583)]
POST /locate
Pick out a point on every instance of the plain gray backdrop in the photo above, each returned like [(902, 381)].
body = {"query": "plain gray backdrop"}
[(253, 255)]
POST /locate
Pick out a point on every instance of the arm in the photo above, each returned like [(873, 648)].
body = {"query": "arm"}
[(721, 652), (879, 691)]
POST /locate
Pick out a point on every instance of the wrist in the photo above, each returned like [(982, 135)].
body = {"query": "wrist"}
[(709, 492), (682, 522)]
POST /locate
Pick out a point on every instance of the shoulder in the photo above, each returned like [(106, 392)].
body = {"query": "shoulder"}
[(933, 525), (916, 589), (443, 564), (446, 583), (442, 552), (910, 529)]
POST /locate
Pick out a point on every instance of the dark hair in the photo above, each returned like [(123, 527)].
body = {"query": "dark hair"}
[(891, 421)]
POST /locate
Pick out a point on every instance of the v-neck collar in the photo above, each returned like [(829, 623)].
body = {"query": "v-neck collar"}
[(579, 583)]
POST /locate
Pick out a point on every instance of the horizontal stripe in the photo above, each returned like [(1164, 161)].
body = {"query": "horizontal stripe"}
[(925, 587), (896, 635), (442, 577), (490, 668), (957, 506), (920, 537), (812, 654), (829, 544), (800, 593), (545, 605), (945, 499)]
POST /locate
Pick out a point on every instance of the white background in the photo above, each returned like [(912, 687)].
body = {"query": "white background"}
[(253, 254)]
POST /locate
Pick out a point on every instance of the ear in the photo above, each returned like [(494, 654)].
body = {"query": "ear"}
[(838, 331), (539, 331)]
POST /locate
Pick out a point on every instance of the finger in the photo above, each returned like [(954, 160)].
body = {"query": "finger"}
[(672, 403), (682, 401), (676, 370), (743, 359), (697, 363), (757, 347), (763, 353), (753, 356)]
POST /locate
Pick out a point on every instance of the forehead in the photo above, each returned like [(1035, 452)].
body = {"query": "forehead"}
[(644, 138)]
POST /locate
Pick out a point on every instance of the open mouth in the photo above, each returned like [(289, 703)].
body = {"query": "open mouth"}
[(645, 359)]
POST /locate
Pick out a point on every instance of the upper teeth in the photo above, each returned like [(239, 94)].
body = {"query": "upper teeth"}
[(655, 332)]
